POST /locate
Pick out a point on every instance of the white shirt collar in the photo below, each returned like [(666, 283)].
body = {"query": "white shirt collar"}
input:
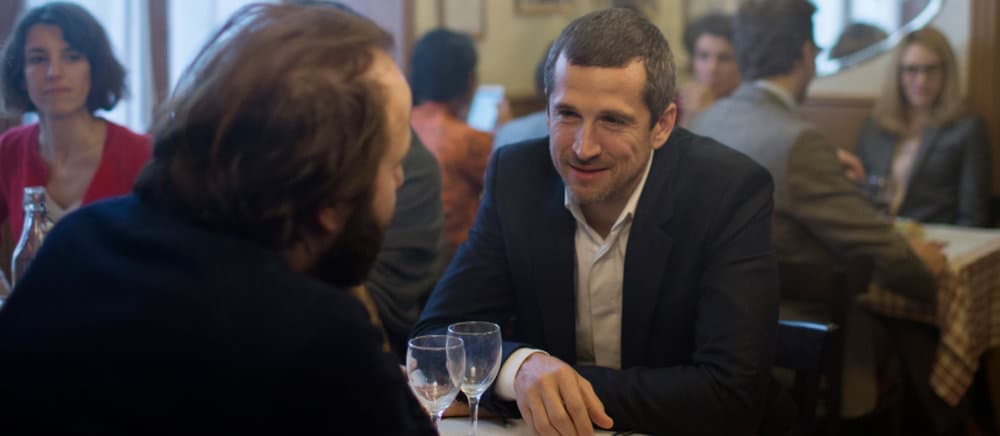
[(778, 91), (626, 213)]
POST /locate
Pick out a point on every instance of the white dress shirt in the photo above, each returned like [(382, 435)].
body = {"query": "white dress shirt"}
[(600, 271)]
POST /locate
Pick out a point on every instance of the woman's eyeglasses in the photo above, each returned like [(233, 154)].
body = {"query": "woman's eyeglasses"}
[(914, 70)]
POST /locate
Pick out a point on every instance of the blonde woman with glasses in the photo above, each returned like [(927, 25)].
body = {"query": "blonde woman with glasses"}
[(922, 139)]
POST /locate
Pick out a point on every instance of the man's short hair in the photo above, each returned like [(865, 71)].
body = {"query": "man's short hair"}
[(715, 24), (613, 38), (540, 72), (255, 145), (82, 33), (442, 66), (769, 35)]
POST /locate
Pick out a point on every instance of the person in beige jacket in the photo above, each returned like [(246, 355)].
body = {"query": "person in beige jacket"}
[(820, 215)]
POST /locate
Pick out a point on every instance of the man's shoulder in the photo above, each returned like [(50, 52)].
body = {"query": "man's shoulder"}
[(524, 152), (704, 154), (749, 109), (157, 249), (120, 210), (707, 175), (523, 128)]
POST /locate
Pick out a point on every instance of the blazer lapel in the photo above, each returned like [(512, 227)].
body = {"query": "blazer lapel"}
[(555, 279), (648, 251)]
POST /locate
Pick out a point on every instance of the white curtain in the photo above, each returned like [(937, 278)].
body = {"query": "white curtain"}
[(192, 23)]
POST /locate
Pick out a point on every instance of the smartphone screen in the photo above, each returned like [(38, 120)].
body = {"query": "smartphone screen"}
[(483, 111)]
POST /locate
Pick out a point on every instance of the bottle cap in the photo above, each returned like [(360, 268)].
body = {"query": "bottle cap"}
[(34, 195)]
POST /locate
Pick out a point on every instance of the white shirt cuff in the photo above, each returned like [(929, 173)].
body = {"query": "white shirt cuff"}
[(505, 380)]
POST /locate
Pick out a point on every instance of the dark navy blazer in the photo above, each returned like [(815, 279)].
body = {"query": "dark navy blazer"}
[(137, 320), (699, 298)]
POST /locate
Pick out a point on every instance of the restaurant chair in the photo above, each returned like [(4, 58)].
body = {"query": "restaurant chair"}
[(831, 288), (805, 348)]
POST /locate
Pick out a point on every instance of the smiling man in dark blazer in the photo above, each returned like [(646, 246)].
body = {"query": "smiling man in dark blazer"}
[(630, 261)]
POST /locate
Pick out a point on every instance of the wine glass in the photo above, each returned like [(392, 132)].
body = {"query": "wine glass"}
[(482, 361), (434, 368)]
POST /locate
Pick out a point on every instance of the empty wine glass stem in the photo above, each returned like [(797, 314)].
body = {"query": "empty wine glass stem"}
[(474, 414)]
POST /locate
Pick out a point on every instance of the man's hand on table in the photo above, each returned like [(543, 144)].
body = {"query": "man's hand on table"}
[(931, 252), (555, 400)]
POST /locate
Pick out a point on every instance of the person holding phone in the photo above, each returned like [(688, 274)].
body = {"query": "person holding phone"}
[(443, 81)]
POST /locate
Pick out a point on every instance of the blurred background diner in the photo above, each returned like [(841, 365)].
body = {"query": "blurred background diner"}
[(708, 41), (903, 93), (58, 66)]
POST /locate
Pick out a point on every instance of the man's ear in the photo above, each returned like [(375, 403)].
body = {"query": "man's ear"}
[(330, 220), (808, 52), (664, 125)]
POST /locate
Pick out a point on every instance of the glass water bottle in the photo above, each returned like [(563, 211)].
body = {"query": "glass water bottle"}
[(36, 226)]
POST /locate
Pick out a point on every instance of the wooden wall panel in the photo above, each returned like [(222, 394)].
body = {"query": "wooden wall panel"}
[(838, 118), (12, 11), (984, 96), (984, 71)]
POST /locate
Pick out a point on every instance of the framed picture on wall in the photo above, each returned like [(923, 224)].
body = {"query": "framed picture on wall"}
[(647, 8), (535, 7), (467, 16), (694, 9)]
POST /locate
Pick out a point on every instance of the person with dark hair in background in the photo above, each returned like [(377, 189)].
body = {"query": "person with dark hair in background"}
[(639, 287), (709, 42), (531, 126), (820, 215), (59, 64), (923, 138), (443, 79), (216, 294), (413, 250)]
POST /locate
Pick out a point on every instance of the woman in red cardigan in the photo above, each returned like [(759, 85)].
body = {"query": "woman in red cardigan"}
[(59, 64)]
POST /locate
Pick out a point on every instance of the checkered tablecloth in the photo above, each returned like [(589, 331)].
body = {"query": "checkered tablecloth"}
[(968, 309)]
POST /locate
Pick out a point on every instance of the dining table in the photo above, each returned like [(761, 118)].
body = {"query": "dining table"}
[(460, 426), (967, 311)]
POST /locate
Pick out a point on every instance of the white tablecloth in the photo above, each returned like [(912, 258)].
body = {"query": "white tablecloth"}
[(461, 427)]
